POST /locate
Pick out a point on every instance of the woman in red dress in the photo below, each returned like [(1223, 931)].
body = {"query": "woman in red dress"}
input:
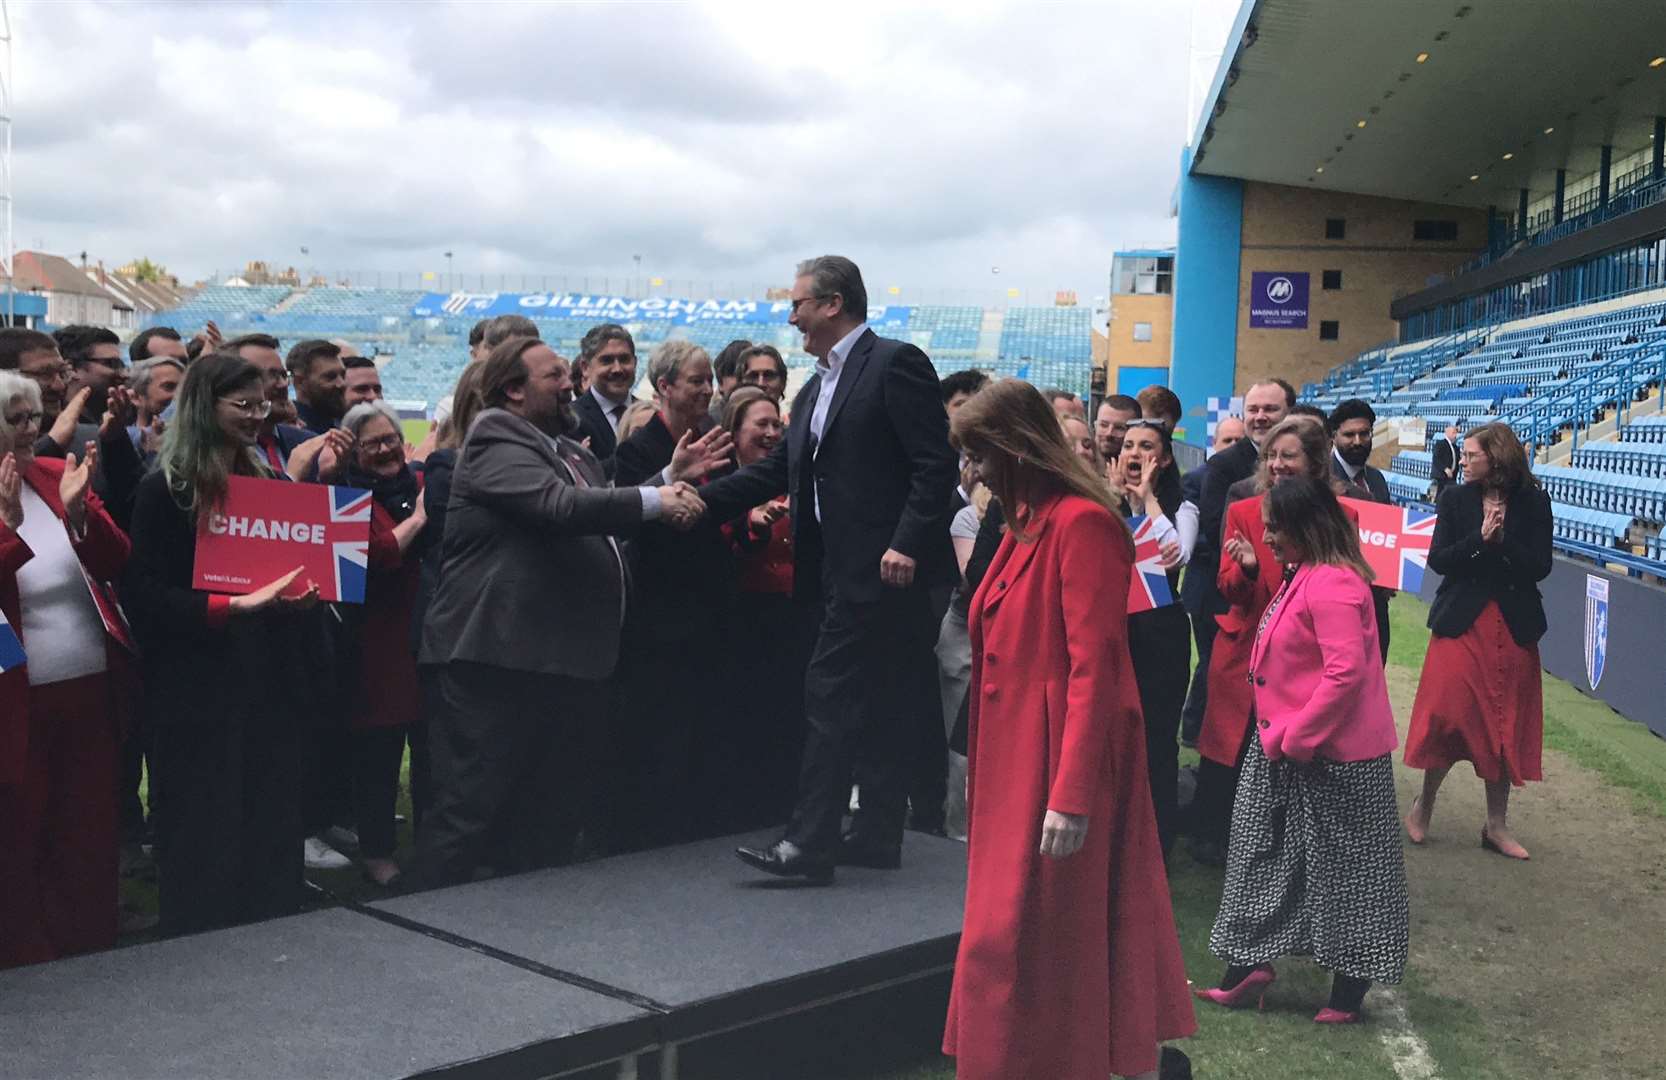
[(1069, 967), (1479, 699)]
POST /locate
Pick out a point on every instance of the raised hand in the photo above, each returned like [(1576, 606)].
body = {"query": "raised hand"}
[(11, 493), (1113, 477), (119, 411), (695, 459), (150, 437), (63, 428), (1243, 552), (72, 488), (332, 459), (271, 595)]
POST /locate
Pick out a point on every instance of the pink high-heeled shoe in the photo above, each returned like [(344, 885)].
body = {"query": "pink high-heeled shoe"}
[(1328, 1015), (1252, 985)]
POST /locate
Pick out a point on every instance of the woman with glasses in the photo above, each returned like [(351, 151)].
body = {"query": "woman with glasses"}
[(386, 697), (1314, 868), (1249, 575), (227, 686), (1159, 638), (60, 694), (772, 635), (1069, 965), (1480, 696)]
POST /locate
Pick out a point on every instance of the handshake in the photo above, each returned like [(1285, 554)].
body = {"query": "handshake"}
[(680, 505)]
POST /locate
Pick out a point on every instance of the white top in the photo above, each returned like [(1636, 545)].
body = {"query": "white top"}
[(965, 524), (62, 632), (829, 368)]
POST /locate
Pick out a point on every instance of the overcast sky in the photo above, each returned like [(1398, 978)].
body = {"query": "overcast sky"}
[(720, 142)]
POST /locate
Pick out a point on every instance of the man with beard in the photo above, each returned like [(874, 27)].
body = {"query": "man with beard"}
[(522, 635), (1351, 424), (1110, 424), (94, 405), (320, 380)]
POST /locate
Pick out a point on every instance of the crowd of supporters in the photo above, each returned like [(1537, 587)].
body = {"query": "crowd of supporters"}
[(589, 625)]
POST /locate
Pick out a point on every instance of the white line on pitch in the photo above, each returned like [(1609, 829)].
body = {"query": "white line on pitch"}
[(1407, 1051)]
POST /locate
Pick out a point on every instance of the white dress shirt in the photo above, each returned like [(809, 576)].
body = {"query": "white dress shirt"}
[(613, 410), (829, 368), (1347, 469)]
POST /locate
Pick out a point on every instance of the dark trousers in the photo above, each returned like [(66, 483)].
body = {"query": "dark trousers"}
[(507, 771), (230, 842), (773, 636), (862, 694), (58, 827), (327, 754), (1157, 642), (1381, 597), (1204, 628), (378, 752), (1217, 789), (928, 784)]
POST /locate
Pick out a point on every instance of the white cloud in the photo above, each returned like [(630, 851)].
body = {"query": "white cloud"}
[(721, 143)]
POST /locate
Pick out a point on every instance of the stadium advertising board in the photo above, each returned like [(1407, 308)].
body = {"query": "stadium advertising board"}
[(266, 528), (1278, 300), (619, 309)]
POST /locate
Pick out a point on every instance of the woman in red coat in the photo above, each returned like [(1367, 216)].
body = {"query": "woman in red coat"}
[(1248, 578), (60, 728), (1069, 967)]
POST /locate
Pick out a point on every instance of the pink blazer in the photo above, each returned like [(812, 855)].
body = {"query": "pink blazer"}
[(1318, 677)]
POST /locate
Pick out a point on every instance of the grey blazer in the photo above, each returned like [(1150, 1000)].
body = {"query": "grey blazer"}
[(529, 579)]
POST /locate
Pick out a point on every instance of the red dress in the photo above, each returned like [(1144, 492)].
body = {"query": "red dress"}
[(1481, 700), (1069, 969), (1226, 715), (390, 692)]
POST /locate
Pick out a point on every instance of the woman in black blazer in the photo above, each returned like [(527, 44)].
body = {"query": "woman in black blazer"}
[(1479, 699)]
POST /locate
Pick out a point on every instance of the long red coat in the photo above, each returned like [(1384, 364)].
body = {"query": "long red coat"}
[(1069, 969), (103, 553), (1226, 715)]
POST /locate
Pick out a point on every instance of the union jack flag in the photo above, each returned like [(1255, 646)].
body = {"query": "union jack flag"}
[(351, 558), (1395, 541), (11, 649), (1149, 584), (1417, 534)]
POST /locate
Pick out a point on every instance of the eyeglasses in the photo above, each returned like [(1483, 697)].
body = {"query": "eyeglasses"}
[(48, 374), (25, 419), (386, 442), (806, 300), (260, 409), (750, 377)]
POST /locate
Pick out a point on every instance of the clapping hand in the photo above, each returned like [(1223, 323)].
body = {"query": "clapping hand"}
[(11, 493), (272, 595), (696, 458), (1243, 552), (1062, 835), (72, 489), (1113, 477), (119, 411), (681, 506), (328, 450)]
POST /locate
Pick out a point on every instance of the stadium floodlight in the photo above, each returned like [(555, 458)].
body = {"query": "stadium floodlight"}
[(1656, 62)]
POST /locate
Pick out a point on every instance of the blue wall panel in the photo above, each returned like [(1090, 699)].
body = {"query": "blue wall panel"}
[(1204, 361), (1131, 380)]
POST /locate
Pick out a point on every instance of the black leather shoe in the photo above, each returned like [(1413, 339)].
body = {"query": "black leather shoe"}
[(1173, 1065), (854, 851), (787, 859)]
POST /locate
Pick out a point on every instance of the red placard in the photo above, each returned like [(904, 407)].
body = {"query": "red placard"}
[(1395, 542), (266, 528)]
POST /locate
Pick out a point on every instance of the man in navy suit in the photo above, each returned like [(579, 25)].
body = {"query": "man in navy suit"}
[(870, 475), (607, 356), (1443, 467), (1351, 425)]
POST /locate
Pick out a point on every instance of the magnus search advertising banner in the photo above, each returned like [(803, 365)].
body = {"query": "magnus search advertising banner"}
[(1278, 300)]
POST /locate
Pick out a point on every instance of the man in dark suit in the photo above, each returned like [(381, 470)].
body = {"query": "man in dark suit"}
[(1351, 424), (870, 473), (1444, 466), (523, 630), (608, 356), (1229, 431)]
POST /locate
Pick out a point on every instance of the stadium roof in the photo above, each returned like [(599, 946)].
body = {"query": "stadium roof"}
[(1338, 86)]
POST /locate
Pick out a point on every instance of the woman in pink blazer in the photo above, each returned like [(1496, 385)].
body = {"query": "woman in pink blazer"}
[(1314, 866)]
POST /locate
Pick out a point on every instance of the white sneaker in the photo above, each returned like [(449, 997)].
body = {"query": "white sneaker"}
[(321, 856)]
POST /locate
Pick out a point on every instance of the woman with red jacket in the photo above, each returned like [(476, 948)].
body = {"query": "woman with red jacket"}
[(1069, 967), (773, 634), (60, 726), (1314, 868), (1298, 446)]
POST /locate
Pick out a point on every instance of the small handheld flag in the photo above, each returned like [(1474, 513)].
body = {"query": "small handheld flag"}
[(1149, 587)]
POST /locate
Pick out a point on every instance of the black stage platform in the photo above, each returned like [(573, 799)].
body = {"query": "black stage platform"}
[(611, 963)]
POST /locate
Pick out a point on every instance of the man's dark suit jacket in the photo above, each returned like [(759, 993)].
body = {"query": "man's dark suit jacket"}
[(884, 469), (1237, 462), (1474, 571), (1370, 485), (593, 424), (529, 578), (116, 480), (1443, 468)]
